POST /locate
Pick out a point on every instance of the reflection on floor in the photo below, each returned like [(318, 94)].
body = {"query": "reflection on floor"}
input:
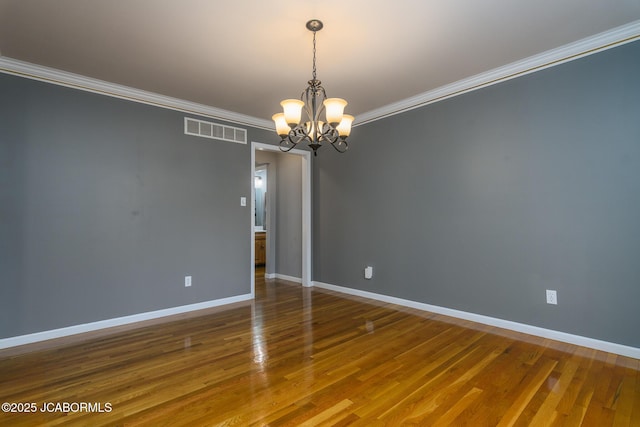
[(259, 273), (305, 356)]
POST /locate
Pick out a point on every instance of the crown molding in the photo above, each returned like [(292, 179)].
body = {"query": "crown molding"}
[(609, 39), (76, 81), (581, 48)]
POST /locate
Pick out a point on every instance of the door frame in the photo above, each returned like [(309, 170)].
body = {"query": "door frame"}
[(305, 210)]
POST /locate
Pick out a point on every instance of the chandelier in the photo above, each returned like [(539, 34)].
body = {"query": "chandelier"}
[(293, 130)]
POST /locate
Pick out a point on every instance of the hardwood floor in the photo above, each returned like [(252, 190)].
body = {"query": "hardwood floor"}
[(298, 356)]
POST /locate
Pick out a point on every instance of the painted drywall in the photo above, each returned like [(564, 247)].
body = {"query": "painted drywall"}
[(260, 200), (270, 159), (482, 202), (284, 175), (106, 205), (289, 218)]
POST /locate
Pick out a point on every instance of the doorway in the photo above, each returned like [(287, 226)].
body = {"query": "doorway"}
[(305, 212)]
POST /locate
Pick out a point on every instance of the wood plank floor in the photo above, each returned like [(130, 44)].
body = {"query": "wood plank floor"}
[(298, 356)]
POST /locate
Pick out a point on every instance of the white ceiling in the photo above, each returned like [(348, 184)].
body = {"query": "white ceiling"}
[(245, 56)]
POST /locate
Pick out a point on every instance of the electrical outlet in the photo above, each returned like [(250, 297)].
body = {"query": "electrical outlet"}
[(552, 297), (187, 281), (368, 273)]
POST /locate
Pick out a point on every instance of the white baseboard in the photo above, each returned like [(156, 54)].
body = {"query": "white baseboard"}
[(119, 321), (288, 278), (282, 277), (610, 347)]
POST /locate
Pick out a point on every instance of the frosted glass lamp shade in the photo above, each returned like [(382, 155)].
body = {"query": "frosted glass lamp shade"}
[(292, 111), (344, 128), (334, 108), (282, 128)]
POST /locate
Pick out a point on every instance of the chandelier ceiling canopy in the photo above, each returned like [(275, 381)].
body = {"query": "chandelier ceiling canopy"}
[(295, 129)]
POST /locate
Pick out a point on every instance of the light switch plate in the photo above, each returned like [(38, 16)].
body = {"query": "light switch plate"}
[(243, 201)]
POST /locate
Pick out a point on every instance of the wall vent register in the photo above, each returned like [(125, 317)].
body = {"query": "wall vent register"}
[(212, 130)]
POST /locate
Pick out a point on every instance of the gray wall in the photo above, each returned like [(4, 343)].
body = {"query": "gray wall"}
[(481, 202), (105, 206), (289, 218)]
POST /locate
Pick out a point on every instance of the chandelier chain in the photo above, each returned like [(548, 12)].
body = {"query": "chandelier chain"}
[(314, 55)]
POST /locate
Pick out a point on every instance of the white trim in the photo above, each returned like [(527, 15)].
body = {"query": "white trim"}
[(306, 221), (581, 48), (587, 46), (492, 321), (289, 278), (76, 81), (252, 227), (285, 277), (119, 321)]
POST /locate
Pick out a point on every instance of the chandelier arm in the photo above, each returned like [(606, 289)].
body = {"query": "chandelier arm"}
[(297, 135), (321, 96), (310, 118), (300, 133), (340, 143), (284, 148), (285, 143), (293, 139), (330, 135)]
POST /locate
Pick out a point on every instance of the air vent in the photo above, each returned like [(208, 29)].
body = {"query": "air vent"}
[(214, 131)]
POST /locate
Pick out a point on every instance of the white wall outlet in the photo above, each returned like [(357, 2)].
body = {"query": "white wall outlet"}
[(368, 272), (243, 201), (187, 281), (552, 297)]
